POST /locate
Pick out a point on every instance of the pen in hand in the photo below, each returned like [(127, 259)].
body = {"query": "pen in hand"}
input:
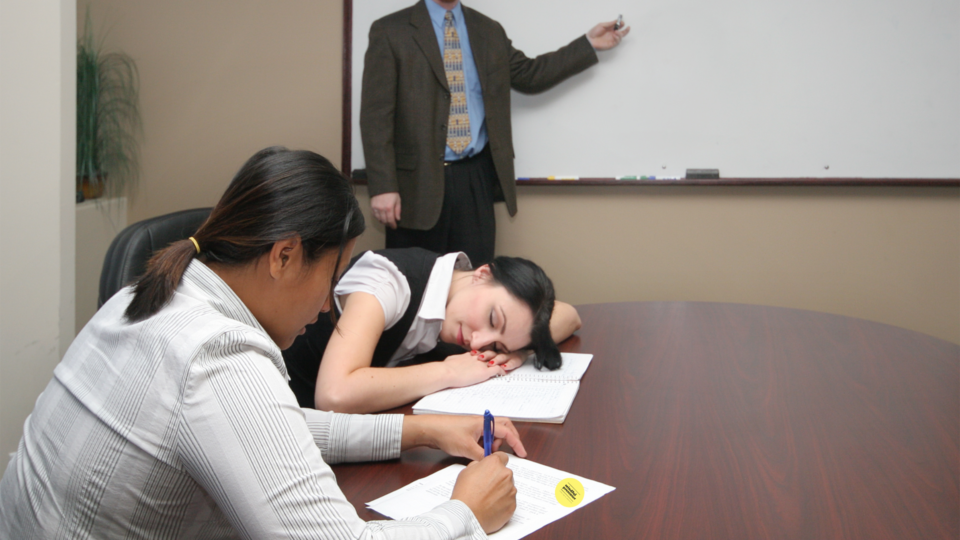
[(487, 433)]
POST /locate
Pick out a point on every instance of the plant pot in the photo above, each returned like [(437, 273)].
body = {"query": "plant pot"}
[(91, 190)]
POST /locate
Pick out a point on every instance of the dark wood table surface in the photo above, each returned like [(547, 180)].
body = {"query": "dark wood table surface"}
[(732, 421)]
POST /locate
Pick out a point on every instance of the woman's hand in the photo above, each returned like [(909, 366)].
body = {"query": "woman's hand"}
[(487, 488), (508, 361), (465, 370), (458, 435)]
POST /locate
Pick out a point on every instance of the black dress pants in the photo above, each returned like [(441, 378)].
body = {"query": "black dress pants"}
[(467, 222)]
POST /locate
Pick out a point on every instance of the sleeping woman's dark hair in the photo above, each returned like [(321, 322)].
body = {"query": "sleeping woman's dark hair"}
[(527, 282), (276, 195)]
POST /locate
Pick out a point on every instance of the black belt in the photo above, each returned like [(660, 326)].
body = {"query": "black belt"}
[(466, 160)]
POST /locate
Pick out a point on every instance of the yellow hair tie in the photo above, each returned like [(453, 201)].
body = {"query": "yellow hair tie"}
[(195, 244)]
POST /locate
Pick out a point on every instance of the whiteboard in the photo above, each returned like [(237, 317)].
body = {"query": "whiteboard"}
[(755, 88)]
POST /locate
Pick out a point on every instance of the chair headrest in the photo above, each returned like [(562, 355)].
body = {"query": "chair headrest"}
[(126, 260)]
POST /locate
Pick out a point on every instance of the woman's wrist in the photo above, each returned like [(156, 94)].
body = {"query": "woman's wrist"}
[(417, 431), (450, 374)]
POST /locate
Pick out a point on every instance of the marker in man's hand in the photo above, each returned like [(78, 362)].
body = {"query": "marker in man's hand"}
[(619, 23)]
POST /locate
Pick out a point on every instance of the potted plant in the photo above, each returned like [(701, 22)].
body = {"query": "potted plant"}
[(109, 127)]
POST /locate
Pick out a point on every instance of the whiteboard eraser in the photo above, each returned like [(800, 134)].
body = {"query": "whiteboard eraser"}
[(703, 174)]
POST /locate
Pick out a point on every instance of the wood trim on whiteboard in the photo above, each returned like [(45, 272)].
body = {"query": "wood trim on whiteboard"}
[(834, 182), (359, 177)]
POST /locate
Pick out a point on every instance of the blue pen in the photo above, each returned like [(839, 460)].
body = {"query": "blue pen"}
[(487, 433)]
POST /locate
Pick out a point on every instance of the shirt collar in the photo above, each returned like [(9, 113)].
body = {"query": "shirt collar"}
[(434, 303), (437, 13), (215, 292)]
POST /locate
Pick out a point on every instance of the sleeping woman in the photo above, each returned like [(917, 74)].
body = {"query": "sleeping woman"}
[(395, 304)]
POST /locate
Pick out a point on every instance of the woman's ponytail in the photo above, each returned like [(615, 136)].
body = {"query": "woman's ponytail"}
[(157, 285)]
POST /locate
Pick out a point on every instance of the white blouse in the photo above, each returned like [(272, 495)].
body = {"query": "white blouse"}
[(183, 426), (376, 275)]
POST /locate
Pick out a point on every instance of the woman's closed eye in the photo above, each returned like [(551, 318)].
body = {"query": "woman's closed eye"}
[(498, 319)]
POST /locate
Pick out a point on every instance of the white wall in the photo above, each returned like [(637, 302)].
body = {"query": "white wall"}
[(37, 205)]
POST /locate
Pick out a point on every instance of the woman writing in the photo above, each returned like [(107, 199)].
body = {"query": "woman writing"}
[(170, 415), (398, 303)]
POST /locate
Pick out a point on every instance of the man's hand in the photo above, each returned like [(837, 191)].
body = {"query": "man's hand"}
[(604, 37), (386, 208)]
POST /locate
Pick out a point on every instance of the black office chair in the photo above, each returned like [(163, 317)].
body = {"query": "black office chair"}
[(129, 252)]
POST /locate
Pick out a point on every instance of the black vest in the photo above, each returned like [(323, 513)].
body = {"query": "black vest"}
[(303, 357)]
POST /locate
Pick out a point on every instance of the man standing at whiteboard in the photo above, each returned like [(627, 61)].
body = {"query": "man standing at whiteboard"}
[(435, 120)]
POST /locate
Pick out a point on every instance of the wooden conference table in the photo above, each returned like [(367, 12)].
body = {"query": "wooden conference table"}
[(743, 422)]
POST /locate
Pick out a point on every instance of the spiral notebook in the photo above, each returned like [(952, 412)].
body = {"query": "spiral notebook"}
[(525, 395)]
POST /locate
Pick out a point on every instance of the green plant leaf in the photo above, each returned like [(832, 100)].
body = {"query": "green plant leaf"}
[(109, 125)]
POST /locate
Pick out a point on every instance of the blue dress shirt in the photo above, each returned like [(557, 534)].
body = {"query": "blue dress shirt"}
[(478, 126)]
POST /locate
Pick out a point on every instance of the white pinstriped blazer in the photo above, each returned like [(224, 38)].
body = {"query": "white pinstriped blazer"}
[(183, 426)]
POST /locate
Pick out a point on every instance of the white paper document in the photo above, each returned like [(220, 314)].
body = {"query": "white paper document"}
[(527, 394), (537, 496)]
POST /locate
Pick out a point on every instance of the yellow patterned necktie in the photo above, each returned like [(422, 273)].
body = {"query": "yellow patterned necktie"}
[(458, 123)]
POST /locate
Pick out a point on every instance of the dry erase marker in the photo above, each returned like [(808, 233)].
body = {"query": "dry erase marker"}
[(563, 178), (619, 23), (628, 177)]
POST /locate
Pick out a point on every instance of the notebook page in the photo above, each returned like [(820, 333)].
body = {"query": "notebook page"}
[(573, 368), (516, 399)]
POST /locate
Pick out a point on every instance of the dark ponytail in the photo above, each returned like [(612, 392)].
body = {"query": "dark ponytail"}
[(155, 288), (276, 195), (527, 282)]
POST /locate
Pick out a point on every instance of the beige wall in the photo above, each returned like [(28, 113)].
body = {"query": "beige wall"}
[(221, 79), (884, 254), (224, 78), (37, 133), (890, 255)]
